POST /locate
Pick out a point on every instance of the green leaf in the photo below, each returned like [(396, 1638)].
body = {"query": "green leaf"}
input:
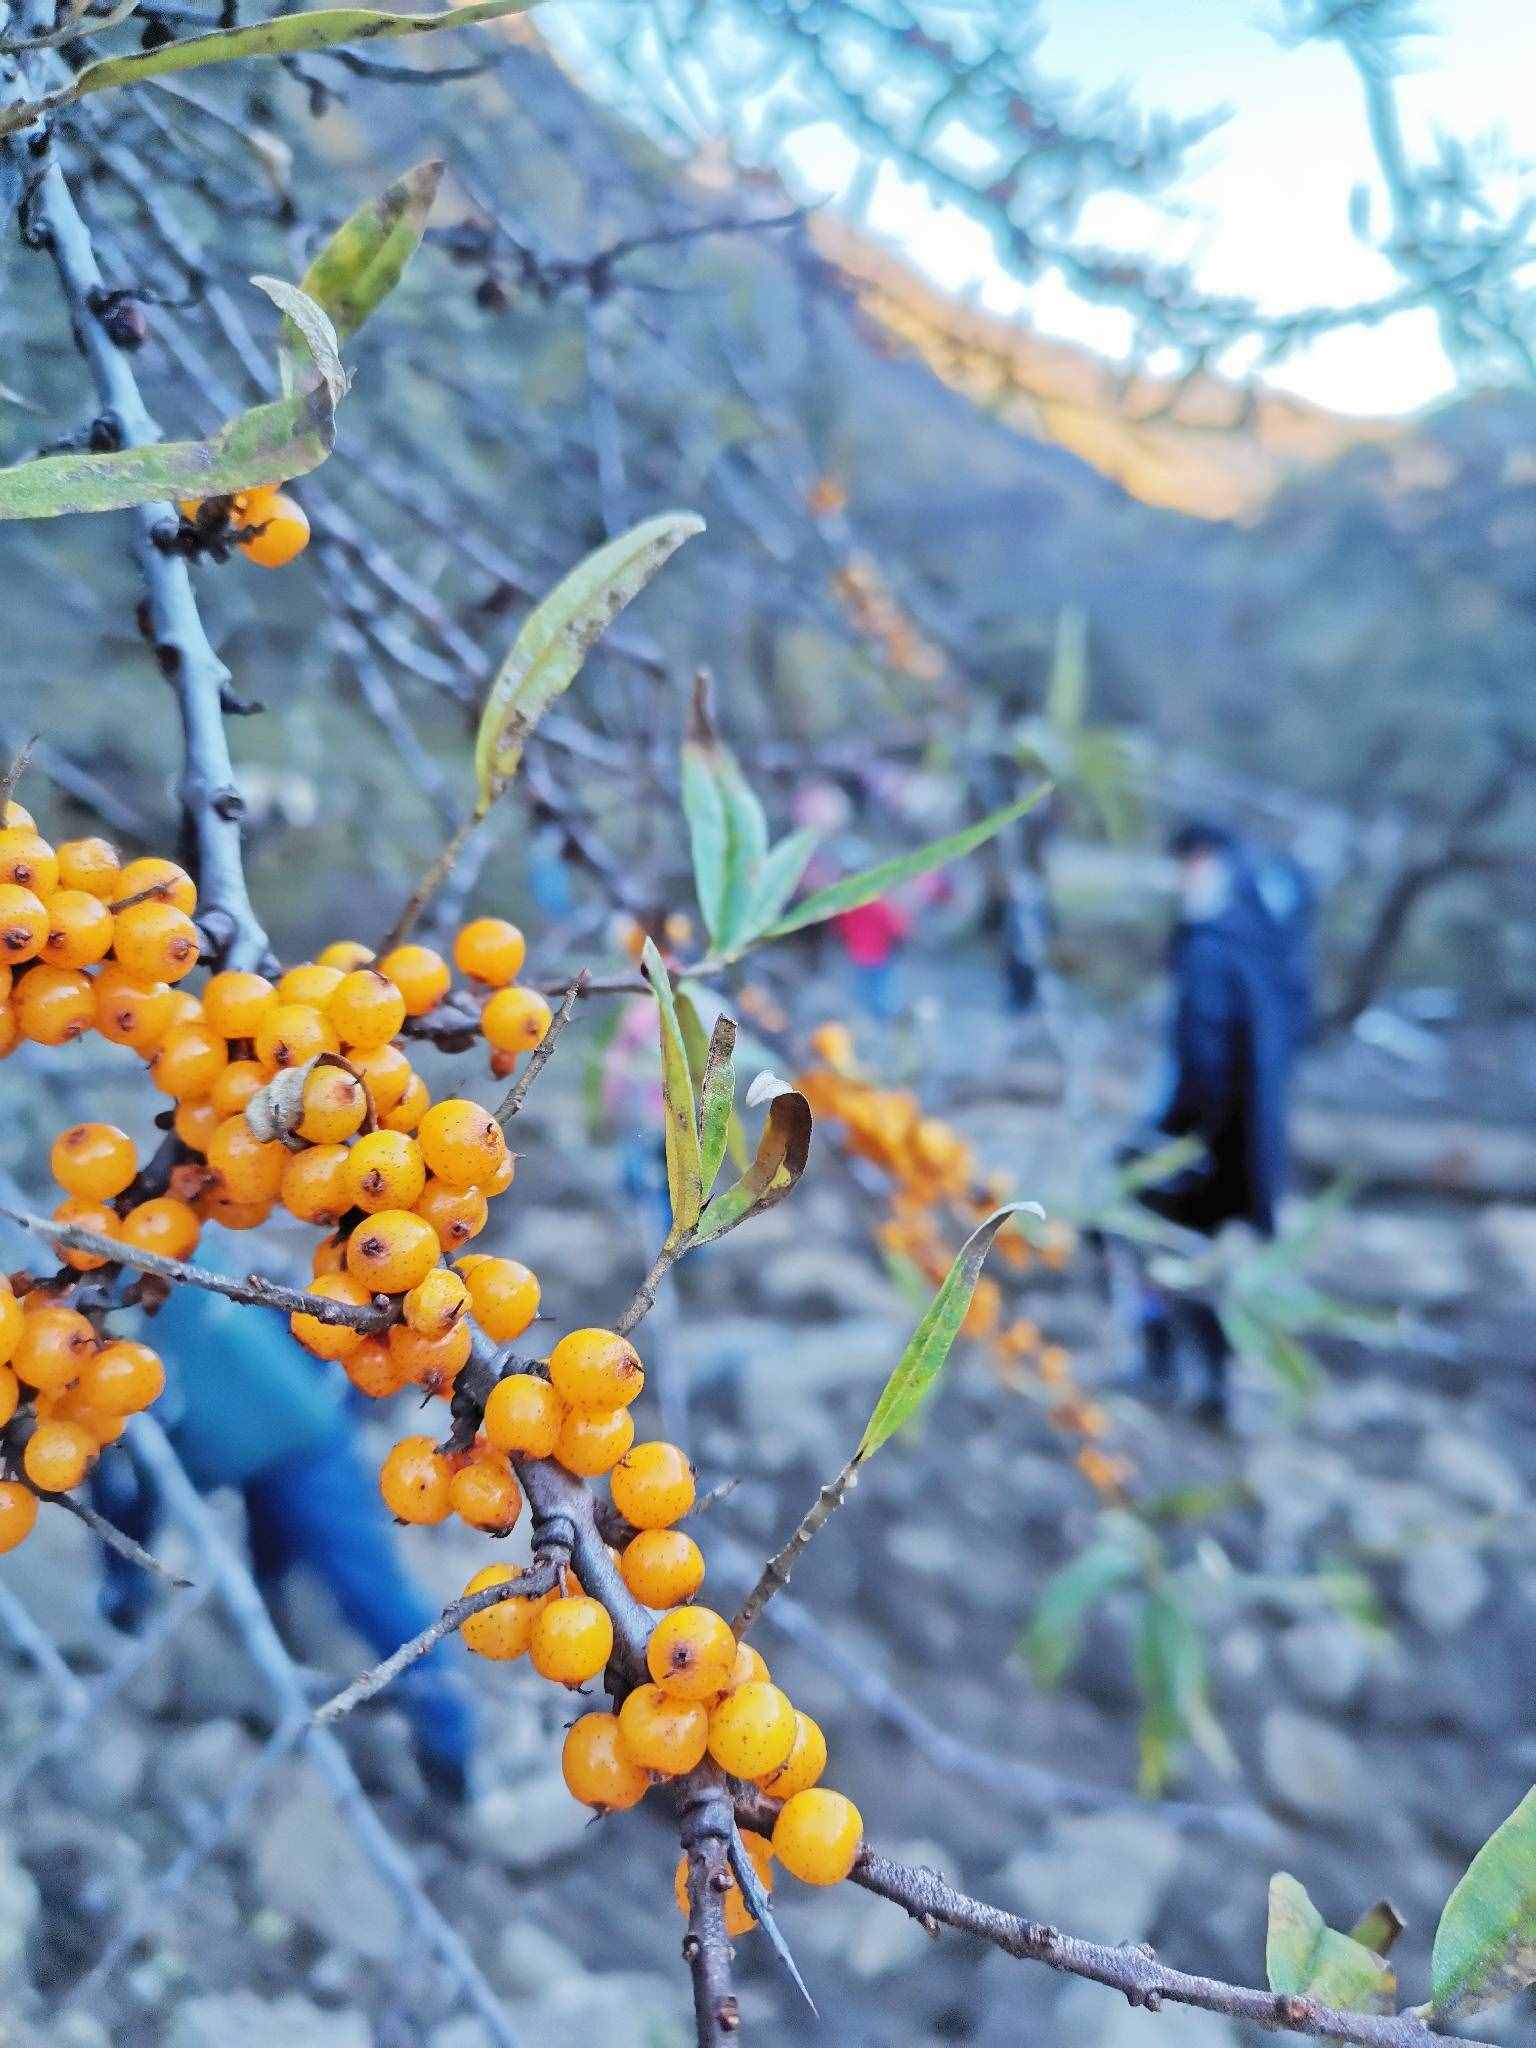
[(1066, 700), (717, 1099), (776, 1166), (697, 1042), (1303, 1954), (319, 351), (1054, 1636), (1171, 1670), (777, 880), (918, 1368), (288, 438), (1485, 1945), (558, 634), (283, 35), (363, 261), (864, 888), (727, 830), (685, 1179)]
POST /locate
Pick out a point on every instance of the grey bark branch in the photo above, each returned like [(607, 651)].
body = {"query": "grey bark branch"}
[(542, 1054), (705, 1832), (776, 1572)]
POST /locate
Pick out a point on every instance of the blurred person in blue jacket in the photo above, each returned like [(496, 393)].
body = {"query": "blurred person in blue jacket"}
[(1241, 972), (248, 1407)]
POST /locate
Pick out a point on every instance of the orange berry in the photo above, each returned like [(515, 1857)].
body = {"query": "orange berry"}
[(522, 1416), (515, 1020), (435, 1304), (592, 1442), (373, 1370), (236, 1085), (91, 865), (334, 1105), (93, 1161), (502, 1630), (130, 1012), (313, 1186), (17, 814), (331, 1340), (386, 1073), (58, 1455), (456, 1214), (690, 1653), (652, 1485), (13, 1320), (23, 923), (290, 1034), (385, 1171), (18, 1512), (344, 955), (250, 1169), (749, 1666), (235, 1002), (10, 1394), (54, 1005), (595, 1369), (504, 1299), (738, 1914), (171, 884), (817, 1835), (27, 860), (572, 1640), (415, 1481), (188, 1060), (422, 977), (434, 1363), (662, 1734), (217, 1206), (752, 1730), (365, 1008), (162, 1224), (661, 1567), (330, 1256), (155, 941), (80, 929), (805, 1763), (490, 950), (182, 1008), (90, 1216), (53, 1348), (410, 1109), (596, 1769), (392, 1250), (462, 1143), (310, 984), (276, 534), (10, 1031), (486, 1496), (196, 1120), (123, 1378)]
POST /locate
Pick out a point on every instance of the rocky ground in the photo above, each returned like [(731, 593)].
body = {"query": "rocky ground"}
[(1370, 1762)]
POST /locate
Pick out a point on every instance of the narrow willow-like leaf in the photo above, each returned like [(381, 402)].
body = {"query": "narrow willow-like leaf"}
[(287, 438), (1054, 1635), (777, 1165), (717, 1099), (1302, 1953), (1485, 1945), (696, 1038), (318, 350), (864, 888), (777, 880), (918, 1368), (363, 261), (283, 35), (1171, 1671), (557, 635), (1379, 1928), (685, 1179), (727, 828)]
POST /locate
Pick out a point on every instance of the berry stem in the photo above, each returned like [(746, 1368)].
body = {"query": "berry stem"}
[(776, 1572)]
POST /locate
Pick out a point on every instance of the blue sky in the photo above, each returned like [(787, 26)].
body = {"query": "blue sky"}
[(1269, 192)]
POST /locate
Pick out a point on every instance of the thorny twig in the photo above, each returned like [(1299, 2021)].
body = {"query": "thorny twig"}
[(542, 1053), (114, 1538), (705, 1832), (644, 1298), (776, 1572)]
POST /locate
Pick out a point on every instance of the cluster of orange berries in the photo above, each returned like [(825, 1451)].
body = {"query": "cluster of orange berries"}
[(266, 524), (706, 1693), (935, 1184)]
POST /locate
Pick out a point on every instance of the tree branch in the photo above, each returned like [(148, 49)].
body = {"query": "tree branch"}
[(705, 1833), (776, 1572), (541, 1055)]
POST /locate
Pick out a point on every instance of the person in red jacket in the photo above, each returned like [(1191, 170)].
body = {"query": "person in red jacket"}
[(872, 937)]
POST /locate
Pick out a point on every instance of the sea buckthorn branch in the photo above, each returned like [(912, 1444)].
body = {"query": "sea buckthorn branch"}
[(211, 802), (113, 1537), (512, 1102), (705, 1822), (776, 1572), (255, 1288)]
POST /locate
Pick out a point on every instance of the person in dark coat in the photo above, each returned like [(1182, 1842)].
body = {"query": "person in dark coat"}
[(1241, 1002), (247, 1407)]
